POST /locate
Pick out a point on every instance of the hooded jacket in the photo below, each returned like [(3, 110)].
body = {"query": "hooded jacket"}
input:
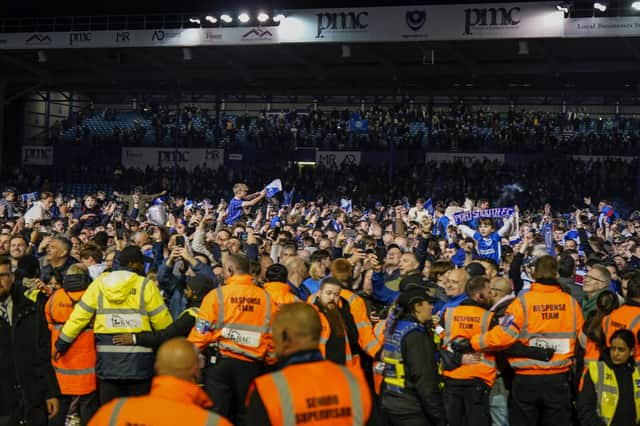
[(118, 302)]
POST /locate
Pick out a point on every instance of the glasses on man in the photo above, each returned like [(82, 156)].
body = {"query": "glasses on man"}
[(591, 277)]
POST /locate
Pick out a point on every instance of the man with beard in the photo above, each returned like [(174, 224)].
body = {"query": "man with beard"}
[(339, 331)]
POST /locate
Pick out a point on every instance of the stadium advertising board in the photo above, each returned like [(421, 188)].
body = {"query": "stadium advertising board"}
[(187, 158), (624, 26), (335, 159), (446, 157), (373, 24), (37, 155)]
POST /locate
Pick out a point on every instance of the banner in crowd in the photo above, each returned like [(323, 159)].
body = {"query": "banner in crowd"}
[(337, 159), (37, 155), (495, 213), (356, 24), (466, 158), (187, 158)]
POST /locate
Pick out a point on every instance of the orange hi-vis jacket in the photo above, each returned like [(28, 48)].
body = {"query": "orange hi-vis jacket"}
[(378, 376), (301, 394), (351, 362), (172, 401), (237, 317), (76, 369), (280, 293), (591, 350), (465, 321), (366, 339), (626, 316), (544, 316)]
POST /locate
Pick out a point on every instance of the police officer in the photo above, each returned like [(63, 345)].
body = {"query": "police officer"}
[(119, 302), (410, 394), (545, 316), (234, 330), (300, 393)]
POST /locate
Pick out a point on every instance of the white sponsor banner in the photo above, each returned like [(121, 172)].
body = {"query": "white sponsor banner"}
[(588, 158), (467, 158), (367, 24), (335, 159), (37, 155), (140, 38), (188, 158), (441, 22), (626, 26)]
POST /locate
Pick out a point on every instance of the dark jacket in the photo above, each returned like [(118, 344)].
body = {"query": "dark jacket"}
[(422, 394), (27, 378), (587, 400), (335, 345), (181, 327), (568, 285)]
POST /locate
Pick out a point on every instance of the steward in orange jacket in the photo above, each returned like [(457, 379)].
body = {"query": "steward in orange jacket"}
[(547, 317), (175, 398), (280, 292), (307, 390), (626, 316), (75, 370), (467, 387), (234, 330)]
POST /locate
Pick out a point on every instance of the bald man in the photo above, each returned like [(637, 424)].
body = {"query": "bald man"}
[(501, 293), (175, 396), (454, 289), (297, 272), (300, 390)]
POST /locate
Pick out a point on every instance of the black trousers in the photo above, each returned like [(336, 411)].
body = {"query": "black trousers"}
[(466, 403), (540, 400), (112, 389), (87, 407), (227, 383)]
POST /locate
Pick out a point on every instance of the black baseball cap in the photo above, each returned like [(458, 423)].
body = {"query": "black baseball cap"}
[(415, 294), (475, 269), (132, 254)]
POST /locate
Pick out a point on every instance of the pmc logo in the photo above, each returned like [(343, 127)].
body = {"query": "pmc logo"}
[(490, 17), (341, 22), (416, 19)]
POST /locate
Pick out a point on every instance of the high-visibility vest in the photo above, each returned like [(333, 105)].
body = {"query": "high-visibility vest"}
[(75, 370), (465, 321), (545, 316), (236, 317), (394, 365), (606, 388), (172, 401), (366, 339), (378, 365), (193, 312), (119, 302), (280, 293), (626, 316), (301, 394), (591, 351), (351, 362)]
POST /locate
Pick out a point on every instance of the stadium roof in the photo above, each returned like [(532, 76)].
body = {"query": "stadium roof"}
[(551, 66)]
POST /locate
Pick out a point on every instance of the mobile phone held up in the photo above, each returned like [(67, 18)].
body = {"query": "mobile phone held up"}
[(180, 241)]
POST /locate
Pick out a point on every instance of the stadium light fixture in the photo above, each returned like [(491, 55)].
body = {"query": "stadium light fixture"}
[(210, 19), (263, 17), (243, 17), (279, 17), (194, 20), (226, 18), (564, 7), (636, 5), (601, 6), (187, 55), (42, 56)]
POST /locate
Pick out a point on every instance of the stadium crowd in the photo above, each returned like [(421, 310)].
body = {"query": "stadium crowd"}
[(460, 127), (115, 307)]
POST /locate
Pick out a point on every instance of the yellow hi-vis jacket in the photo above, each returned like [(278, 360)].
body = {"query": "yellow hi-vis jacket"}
[(118, 302), (606, 387)]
